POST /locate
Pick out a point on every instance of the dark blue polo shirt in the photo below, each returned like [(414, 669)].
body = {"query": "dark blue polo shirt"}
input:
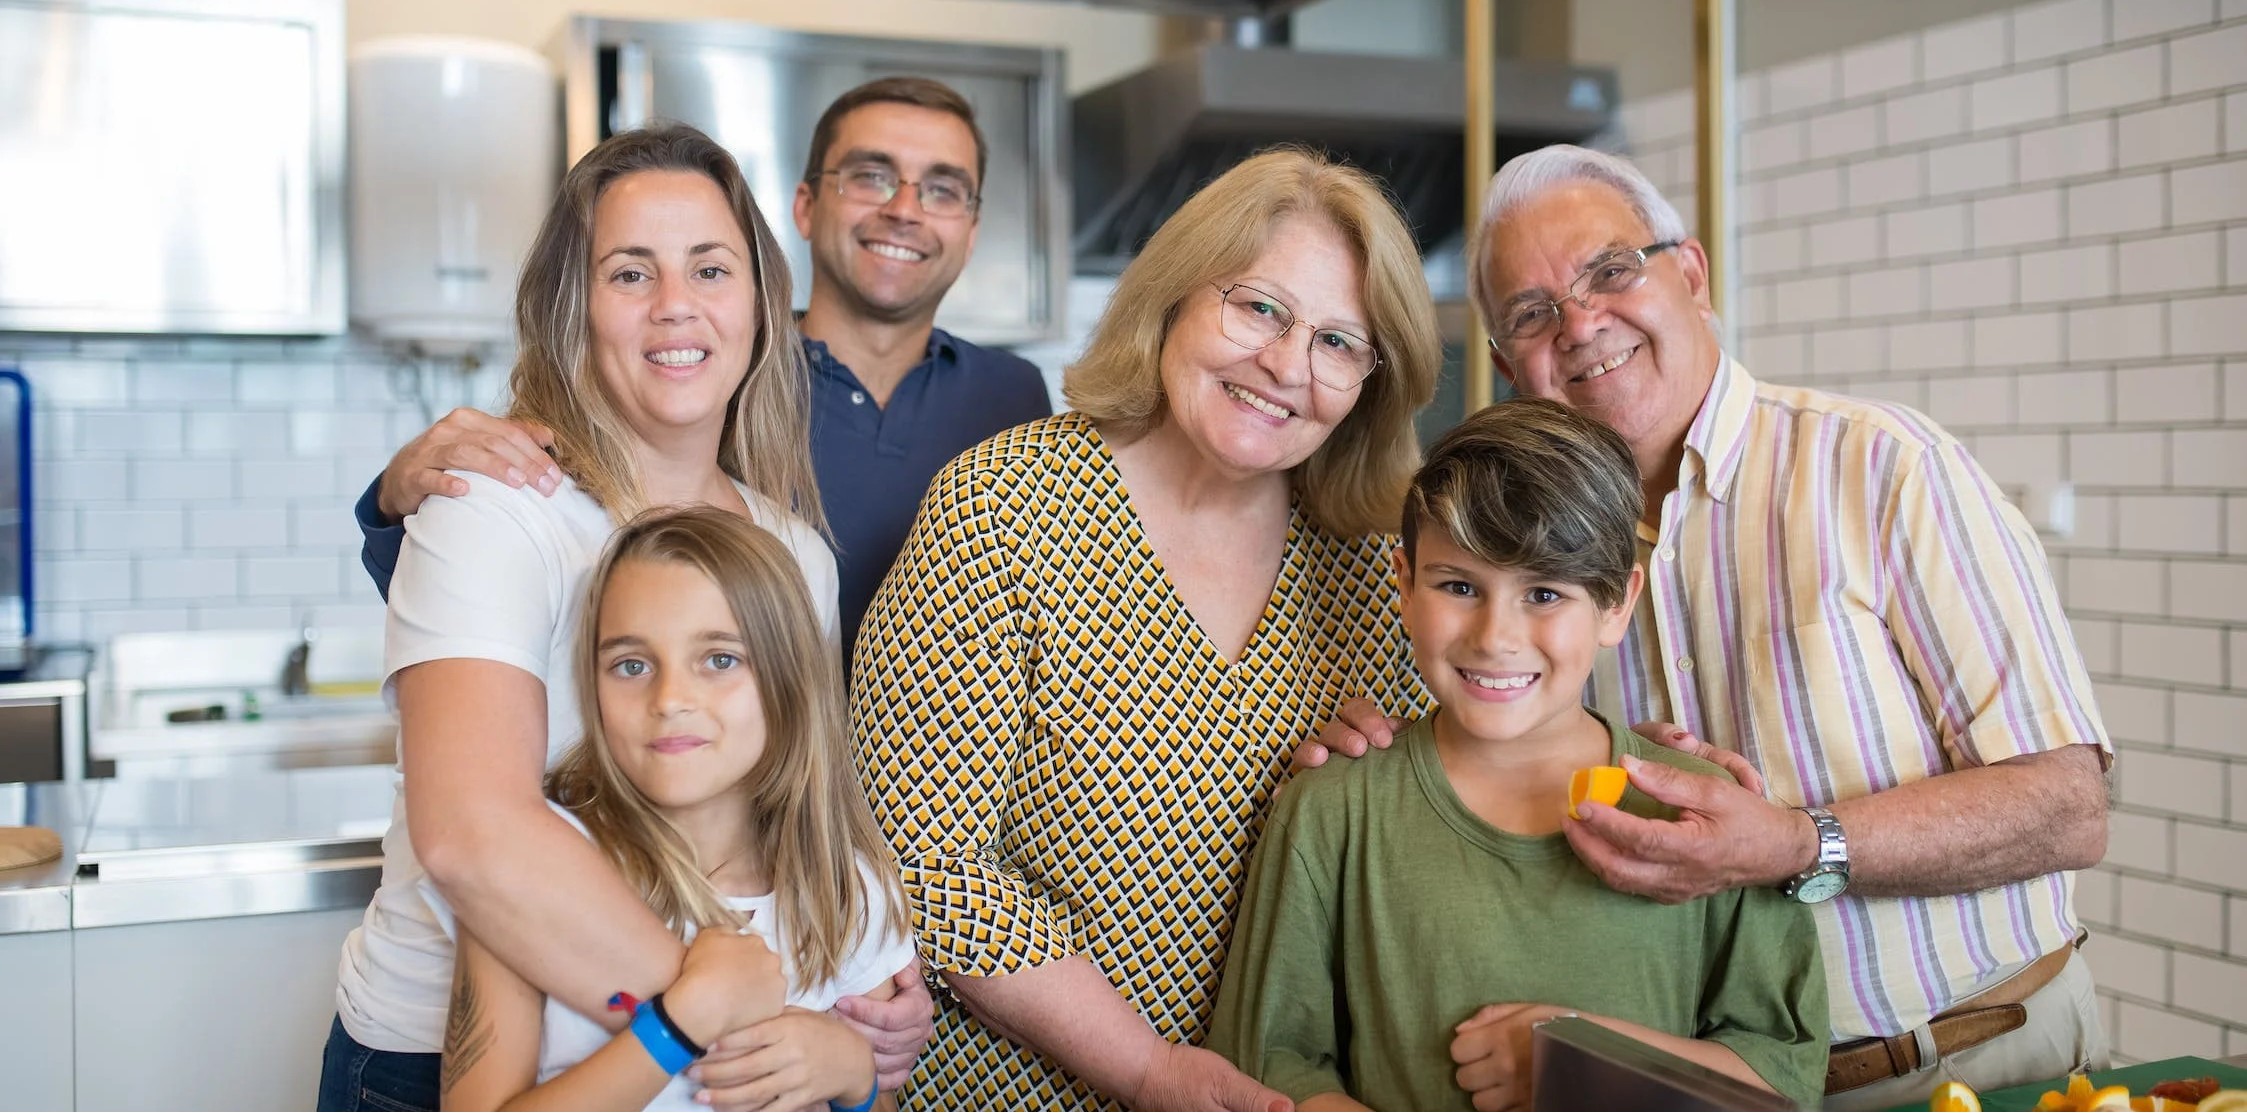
[(873, 462)]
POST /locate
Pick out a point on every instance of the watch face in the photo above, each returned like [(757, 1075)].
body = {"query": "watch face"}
[(1823, 887)]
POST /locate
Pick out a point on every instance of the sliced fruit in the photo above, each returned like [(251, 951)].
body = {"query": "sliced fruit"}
[(2225, 1101), (2053, 1101), (2079, 1091), (2188, 1092), (1604, 783), (1954, 1097), (2109, 1099)]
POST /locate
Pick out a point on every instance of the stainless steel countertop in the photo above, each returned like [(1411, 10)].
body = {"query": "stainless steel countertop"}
[(158, 850), (37, 898)]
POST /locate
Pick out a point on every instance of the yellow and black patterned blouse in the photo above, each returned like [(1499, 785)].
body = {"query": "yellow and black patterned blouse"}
[(1064, 763)]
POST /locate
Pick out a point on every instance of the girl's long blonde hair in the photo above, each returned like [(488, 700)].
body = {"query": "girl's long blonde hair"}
[(767, 438), (808, 818)]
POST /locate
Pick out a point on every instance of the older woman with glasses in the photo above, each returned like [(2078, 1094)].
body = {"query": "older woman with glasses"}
[(1079, 687)]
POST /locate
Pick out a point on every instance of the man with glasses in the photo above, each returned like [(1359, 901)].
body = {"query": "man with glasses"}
[(1843, 601), (889, 202)]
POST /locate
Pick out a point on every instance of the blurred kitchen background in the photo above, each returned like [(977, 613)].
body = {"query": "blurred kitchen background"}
[(2029, 221)]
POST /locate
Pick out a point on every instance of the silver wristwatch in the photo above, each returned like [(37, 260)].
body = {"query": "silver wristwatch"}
[(1828, 874)]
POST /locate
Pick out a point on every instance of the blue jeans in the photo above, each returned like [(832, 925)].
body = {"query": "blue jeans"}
[(355, 1076)]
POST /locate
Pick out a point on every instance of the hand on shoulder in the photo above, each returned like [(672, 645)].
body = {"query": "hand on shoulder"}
[(511, 452)]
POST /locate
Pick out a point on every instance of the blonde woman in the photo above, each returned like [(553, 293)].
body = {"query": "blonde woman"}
[(1077, 690), (715, 773), (655, 343)]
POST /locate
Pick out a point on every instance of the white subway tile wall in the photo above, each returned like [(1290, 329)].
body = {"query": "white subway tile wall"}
[(2043, 244), (199, 483)]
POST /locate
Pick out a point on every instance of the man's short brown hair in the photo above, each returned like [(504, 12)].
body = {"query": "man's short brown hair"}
[(1532, 485), (918, 91)]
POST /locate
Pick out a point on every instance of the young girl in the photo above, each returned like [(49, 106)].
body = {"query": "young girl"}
[(713, 774)]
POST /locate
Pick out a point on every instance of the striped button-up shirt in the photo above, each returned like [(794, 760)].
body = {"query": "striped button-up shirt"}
[(1837, 591)]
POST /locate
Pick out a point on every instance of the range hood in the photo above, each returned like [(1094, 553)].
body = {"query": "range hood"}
[(1147, 141)]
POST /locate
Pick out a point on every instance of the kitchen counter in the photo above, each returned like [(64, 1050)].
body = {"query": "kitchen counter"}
[(37, 898), (161, 850)]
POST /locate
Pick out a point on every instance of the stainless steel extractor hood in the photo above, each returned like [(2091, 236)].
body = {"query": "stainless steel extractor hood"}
[(1145, 142)]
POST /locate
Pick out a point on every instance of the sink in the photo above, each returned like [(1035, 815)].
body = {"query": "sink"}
[(315, 707), (146, 677)]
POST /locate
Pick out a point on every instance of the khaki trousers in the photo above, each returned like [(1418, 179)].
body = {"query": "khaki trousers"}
[(2063, 1034)]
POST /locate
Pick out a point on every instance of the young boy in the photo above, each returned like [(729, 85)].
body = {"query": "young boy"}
[(1411, 914)]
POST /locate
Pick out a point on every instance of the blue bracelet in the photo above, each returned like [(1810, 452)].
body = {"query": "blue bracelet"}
[(863, 1106), (664, 1045)]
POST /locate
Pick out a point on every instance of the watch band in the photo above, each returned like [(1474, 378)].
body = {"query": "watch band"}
[(664, 1043), (664, 1014), (872, 1096), (1832, 859)]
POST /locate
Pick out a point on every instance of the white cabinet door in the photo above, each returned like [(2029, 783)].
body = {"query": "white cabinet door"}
[(35, 1027), (207, 1014)]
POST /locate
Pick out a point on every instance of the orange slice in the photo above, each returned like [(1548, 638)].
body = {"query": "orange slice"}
[(2109, 1099), (1954, 1097), (1604, 783), (2053, 1101), (2079, 1091)]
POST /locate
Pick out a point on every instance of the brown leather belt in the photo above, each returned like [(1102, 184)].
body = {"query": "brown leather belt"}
[(1970, 1023)]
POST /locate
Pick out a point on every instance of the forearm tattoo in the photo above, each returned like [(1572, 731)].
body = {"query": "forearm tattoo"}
[(467, 1034)]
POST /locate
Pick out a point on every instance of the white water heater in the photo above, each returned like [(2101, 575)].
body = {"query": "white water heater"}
[(455, 147)]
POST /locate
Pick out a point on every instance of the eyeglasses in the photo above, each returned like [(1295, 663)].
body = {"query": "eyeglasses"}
[(1254, 319), (1617, 272), (876, 184)]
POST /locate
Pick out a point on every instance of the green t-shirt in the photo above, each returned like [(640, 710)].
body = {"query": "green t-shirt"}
[(1380, 912)]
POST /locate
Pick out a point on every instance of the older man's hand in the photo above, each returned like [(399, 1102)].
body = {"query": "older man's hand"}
[(1725, 837)]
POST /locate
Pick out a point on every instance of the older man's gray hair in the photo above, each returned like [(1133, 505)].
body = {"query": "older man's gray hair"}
[(1528, 176)]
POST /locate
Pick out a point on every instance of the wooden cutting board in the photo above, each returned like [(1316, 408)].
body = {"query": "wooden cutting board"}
[(28, 846)]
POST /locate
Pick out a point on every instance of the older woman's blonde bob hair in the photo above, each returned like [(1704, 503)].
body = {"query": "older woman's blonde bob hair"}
[(766, 442), (1353, 484)]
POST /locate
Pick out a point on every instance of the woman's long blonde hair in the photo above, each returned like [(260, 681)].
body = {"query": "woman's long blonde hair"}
[(1354, 484), (808, 818), (766, 443)]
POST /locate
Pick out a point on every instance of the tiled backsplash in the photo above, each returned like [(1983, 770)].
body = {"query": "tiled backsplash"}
[(2033, 227), (205, 484)]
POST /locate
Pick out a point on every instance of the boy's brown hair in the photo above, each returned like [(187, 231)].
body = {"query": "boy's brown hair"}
[(1533, 485)]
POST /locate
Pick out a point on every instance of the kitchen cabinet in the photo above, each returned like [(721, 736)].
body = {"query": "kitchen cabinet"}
[(172, 166), (206, 1014), (36, 1035)]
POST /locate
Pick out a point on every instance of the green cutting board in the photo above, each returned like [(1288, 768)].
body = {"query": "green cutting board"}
[(2139, 1078)]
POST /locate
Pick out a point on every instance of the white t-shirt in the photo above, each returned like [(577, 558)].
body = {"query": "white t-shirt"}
[(567, 1037), (498, 575)]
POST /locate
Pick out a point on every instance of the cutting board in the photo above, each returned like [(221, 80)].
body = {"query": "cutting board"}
[(28, 846), (2139, 1078)]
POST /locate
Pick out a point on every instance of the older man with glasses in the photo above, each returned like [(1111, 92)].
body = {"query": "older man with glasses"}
[(889, 202), (1841, 599)]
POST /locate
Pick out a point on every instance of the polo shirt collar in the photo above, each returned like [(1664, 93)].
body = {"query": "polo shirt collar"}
[(942, 348)]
